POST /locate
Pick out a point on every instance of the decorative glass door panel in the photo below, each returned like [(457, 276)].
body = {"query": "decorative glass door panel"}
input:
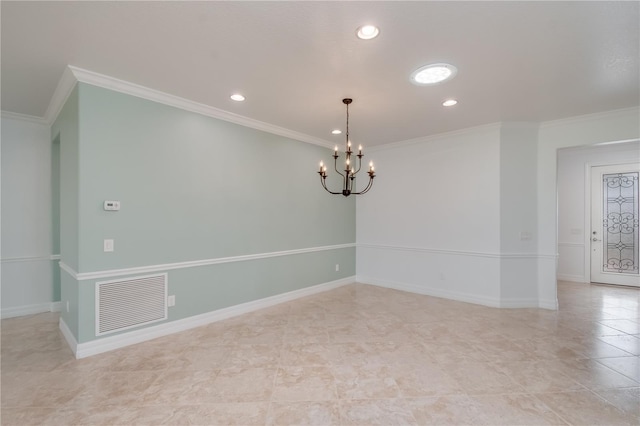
[(615, 231)]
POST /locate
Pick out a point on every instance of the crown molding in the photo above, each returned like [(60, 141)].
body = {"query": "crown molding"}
[(60, 95), (591, 117), (438, 136), (24, 117), (73, 74)]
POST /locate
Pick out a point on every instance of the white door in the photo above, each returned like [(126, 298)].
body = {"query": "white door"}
[(614, 224)]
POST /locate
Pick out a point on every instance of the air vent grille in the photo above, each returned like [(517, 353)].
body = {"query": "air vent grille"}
[(131, 302)]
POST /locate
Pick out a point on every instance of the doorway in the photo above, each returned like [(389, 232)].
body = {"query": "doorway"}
[(614, 234), (576, 167)]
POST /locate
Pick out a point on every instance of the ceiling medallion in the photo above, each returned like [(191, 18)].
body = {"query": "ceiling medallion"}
[(350, 172)]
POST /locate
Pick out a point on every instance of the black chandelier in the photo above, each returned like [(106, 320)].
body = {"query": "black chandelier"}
[(350, 172)]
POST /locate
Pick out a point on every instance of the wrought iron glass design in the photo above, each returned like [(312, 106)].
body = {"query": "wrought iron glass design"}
[(620, 222)]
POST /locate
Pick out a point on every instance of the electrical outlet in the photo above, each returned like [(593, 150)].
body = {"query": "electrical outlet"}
[(525, 236), (108, 245), (171, 300), (337, 267)]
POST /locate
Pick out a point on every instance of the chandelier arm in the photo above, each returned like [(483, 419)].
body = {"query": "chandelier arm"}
[(366, 189), (324, 185), (359, 163), (335, 165)]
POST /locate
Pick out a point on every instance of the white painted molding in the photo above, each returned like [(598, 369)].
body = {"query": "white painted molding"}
[(94, 347), (429, 291), (590, 117), (60, 95), (461, 297), (81, 276), (548, 304), (68, 336), (20, 311), (459, 252), (31, 259), (74, 74), (432, 138), (68, 269), (571, 278), (24, 117)]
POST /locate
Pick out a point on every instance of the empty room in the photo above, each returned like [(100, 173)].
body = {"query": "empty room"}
[(320, 213)]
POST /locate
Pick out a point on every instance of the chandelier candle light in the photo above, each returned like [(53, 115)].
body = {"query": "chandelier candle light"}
[(350, 172)]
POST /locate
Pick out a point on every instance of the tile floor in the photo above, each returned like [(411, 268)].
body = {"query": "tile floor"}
[(355, 355)]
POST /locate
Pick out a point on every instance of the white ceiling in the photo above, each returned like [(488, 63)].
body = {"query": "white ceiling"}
[(295, 61)]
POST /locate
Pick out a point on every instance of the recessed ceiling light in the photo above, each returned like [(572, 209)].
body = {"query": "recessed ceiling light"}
[(449, 102), (367, 32), (336, 131), (237, 97), (433, 74)]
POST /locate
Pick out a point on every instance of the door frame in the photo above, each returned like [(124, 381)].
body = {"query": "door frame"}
[(587, 210)]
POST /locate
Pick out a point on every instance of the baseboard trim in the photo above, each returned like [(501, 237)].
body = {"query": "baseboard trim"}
[(460, 297), (68, 336), (429, 291), (572, 278), (20, 311), (94, 347)]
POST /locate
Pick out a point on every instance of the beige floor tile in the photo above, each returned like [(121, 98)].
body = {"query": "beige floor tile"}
[(626, 400), (304, 384), (177, 387), (19, 416), (252, 355), (383, 412), (428, 379), (585, 408), (626, 343), (484, 378), (122, 388), (222, 414), (308, 354), (243, 385), (299, 332), (594, 375), (447, 410), (358, 354), (624, 325), (518, 409), (539, 376), (304, 413), (365, 382), (628, 365)]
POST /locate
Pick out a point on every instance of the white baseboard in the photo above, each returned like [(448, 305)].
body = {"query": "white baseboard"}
[(572, 278), (19, 311), (460, 297), (548, 304), (68, 336), (429, 291), (94, 347)]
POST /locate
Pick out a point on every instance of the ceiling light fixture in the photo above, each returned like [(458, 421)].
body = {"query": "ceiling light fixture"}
[(367, 32), (336, 132), (237, 97), (449, 102), (349, 176), (433, 74)]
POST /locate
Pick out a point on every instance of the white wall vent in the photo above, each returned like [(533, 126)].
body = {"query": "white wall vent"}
[(130, 302)]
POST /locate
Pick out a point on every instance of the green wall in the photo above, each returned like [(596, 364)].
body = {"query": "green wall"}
[(193, 187)]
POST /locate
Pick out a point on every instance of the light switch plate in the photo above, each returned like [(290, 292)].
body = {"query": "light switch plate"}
[(108, 245)]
